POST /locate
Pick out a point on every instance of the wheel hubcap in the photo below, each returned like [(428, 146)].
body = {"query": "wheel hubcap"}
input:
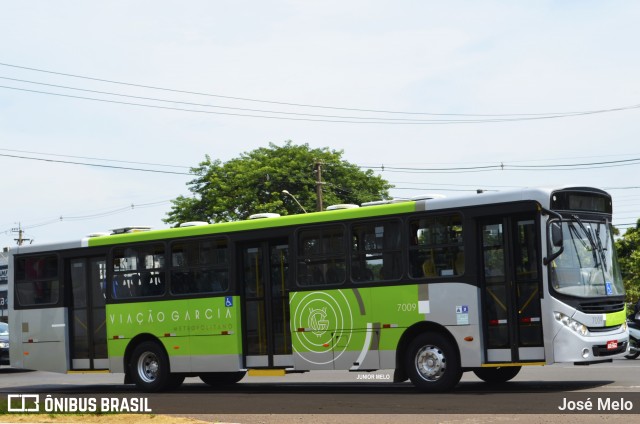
[(148, 366), (431, 363)]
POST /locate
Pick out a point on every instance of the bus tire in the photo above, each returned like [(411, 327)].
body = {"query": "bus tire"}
[(432, 363), (216, 379), (150, 368), (496, 375)]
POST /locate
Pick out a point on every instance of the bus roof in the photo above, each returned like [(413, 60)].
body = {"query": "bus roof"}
[(540, 195)]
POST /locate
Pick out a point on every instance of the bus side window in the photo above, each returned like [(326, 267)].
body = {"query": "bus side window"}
[(375, 251), (436, 246), (138, 271), (199, 266), (321, 256)]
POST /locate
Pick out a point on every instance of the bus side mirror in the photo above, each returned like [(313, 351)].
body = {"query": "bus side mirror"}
[(556, 234)]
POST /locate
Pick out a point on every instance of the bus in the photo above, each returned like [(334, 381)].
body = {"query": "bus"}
[(429, 288)]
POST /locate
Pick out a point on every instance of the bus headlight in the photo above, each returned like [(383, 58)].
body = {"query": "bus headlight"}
[(4, 345), (576, 326)]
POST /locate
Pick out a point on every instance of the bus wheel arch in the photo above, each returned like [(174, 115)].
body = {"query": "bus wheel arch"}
[(147, 365), (129, 350), (428, 342)]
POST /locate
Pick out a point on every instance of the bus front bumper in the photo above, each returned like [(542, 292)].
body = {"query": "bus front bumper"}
[(569, 346)]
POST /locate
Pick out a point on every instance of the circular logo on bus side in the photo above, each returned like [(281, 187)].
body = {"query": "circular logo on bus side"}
[(327, 321), (318, 321)]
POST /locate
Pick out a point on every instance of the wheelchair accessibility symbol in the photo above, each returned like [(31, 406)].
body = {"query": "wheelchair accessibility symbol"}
[(228, 301), (463, 309)]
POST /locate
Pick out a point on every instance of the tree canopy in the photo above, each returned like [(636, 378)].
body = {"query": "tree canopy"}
[(254, 183), (628, 249)]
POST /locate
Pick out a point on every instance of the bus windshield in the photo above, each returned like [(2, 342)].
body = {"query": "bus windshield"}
[(588, 266)]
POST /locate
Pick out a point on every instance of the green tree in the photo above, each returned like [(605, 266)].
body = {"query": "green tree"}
[(253, 183), (628, 249)]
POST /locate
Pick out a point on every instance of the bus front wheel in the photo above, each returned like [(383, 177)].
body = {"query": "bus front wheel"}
[(432, 363), (215, 379), (149, 368), (496, 375)]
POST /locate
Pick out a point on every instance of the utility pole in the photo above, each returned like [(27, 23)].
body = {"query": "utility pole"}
[(20, 240), (318, 167)]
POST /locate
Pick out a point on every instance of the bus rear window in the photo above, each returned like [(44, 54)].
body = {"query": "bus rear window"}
[(37, 281)]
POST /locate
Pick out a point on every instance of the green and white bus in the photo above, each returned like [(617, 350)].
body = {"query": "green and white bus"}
[(431, 288)]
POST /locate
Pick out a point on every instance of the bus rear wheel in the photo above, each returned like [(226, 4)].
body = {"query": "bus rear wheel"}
[(496, 375), (149, 368), (432, 363), (215, 379)]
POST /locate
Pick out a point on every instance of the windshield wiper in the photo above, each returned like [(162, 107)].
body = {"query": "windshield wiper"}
[(576, 237), (601, 248), (592, 242)]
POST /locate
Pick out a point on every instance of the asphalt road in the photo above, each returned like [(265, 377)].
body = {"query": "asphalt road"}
[(535, 394)]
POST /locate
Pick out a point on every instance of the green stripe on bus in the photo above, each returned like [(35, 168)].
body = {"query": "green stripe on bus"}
[(257, 224), (185, 327), (616, 318)]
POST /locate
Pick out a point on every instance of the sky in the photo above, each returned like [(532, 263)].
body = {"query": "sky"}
[(157, 85)]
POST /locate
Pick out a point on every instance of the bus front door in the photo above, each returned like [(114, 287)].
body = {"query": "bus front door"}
[(87, 319), (511, 285), (263, 276)]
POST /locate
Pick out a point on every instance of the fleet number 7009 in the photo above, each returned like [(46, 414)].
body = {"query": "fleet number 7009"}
[(407, 307)]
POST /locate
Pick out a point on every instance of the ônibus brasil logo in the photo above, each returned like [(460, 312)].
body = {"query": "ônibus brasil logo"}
[(22, 403)]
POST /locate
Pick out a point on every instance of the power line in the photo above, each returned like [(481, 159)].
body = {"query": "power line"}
[(575, 165), (345, 120), (95, 165), (209, 105), (247, 99), (502, 167), (545, 159), (507, 167), (94, 158), (74, 218), (340, 117), (478, 118), (200, 104)]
